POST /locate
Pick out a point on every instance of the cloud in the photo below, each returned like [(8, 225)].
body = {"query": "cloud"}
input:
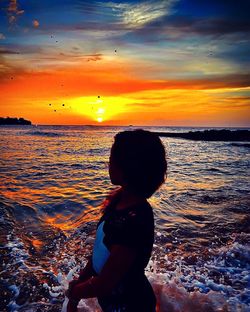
[(8, 70), (183, 26), (174, 27), (124, 15), (137, 15), (212, 26), (237, 101), (2, 37), (235, 80), (241, 98), (75, 56), (94, 57), (20, 49), (8, 51), (13, 11), (35, 23), (13, 8), (12, 19)]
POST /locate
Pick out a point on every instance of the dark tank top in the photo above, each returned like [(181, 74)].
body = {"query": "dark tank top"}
[(132, 227)]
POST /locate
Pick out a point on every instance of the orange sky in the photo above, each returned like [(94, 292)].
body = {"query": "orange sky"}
[(124, 98)]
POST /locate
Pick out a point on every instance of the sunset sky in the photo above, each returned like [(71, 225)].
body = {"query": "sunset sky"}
[(161, 62)]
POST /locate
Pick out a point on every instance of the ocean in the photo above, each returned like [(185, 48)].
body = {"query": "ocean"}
[(53, 182)]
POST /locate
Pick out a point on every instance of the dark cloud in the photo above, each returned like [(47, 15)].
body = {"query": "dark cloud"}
[(94, 57), (20, 49), (216, 26), (8, 51), (223, 81), (76, 54), (208, 82), (9, 71), (186, 26)]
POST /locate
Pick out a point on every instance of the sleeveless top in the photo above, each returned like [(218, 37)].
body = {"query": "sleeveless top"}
[(132, 227)]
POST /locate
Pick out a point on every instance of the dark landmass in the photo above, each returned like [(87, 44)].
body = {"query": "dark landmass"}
[(14, 121), (210, 135), (241, 144)]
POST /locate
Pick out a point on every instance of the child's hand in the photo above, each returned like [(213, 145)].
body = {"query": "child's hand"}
[(71, 286)]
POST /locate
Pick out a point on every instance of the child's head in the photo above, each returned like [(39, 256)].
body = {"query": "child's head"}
[(138, 162)]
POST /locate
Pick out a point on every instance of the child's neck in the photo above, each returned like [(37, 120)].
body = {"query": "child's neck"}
[(128, 198)]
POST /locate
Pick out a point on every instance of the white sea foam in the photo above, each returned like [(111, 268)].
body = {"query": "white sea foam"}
[(173, 293)]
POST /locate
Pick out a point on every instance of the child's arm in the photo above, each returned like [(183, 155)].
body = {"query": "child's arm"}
[(87, 271), (117, 265)]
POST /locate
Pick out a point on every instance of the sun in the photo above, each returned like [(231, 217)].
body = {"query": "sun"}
[(100, 110)]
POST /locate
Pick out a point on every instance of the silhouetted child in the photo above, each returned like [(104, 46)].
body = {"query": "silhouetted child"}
[(125, 232)]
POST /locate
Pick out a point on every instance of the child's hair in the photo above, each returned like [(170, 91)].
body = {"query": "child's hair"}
[(141, 157)]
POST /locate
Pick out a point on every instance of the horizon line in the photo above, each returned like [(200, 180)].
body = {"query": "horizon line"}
[(154, 126)]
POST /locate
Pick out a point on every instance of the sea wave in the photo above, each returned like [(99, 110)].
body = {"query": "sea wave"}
[(44, 133), (217, 282), (54, 178)]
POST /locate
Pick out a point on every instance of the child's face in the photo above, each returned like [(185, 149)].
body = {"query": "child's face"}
[(115, 172)]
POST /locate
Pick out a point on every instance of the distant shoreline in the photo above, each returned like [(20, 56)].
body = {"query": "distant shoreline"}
[(14, 121), (210, 135), (226, 134)]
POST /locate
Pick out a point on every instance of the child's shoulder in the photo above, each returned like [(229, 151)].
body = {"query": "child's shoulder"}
[(140, 211), (136, 215), (129, 226)]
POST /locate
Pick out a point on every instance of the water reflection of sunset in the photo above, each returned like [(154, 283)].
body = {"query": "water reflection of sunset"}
[(65, 223), (37, 243), (59, 221)]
